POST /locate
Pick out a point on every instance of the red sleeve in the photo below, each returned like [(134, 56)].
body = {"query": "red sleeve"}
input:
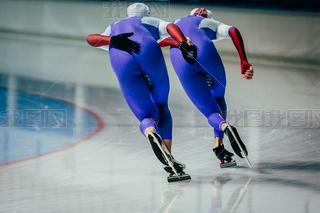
[(238, 43), (97, 40), (175, 32), (168, 42)]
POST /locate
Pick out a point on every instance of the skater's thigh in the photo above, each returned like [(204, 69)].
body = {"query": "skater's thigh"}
[(217, 88), (196, 87), (155, 68), (124, 65), (218, 92), (215, 74), (215, 70), (159, 86), (135, 90), (151, 57)]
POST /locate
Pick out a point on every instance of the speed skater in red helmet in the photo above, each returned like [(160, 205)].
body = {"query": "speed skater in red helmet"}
[(204, 81)]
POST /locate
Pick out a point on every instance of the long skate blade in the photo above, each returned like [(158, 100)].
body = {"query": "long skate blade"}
[(166, 157), (175, 178), (156, 150), (230, 164), (243, 154), (248, 162)]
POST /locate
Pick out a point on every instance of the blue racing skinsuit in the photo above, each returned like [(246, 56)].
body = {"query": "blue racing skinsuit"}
[(205, 81), (142, 76)]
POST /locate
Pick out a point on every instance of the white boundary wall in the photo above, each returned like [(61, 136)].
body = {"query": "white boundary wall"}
[(45, 39)]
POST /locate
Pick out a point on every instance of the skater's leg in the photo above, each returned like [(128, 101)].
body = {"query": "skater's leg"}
[(218, 90), (218, 136), (197, 88), (223, 105), (194, 81), (222, 154), (137, 94), (156, 75), (216, 77), (217, 122), (148, 126), (194, 84), (135, 90), (217, 141), (200, 94), (165, 124), (218, 133)]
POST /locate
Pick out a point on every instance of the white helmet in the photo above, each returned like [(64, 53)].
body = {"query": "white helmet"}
[(199, 11), (138, 9)]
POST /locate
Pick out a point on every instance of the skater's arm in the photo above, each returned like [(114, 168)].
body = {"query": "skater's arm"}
[(98, 40), (220, 31), (168, 42), (237, 40), (107, 32), (165, 28), (175, 32), (189, 51), (215, 30), (120, 41), (246, 67)]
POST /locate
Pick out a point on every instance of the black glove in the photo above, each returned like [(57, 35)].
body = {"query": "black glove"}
[(189, 52), (122, 42)]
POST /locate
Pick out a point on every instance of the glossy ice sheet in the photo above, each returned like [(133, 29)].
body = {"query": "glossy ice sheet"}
[(116, 171), (277, 114)]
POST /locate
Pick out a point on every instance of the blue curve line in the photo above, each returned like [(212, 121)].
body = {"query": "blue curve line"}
[(37, 125)]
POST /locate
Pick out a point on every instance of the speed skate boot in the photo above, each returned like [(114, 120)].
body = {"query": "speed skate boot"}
[(224, 156), (236, 143), (172, 166), (179, 167)]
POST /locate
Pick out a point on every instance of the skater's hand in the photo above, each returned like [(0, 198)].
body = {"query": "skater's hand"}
[(189, 51), (189, 41), (122, 42), (246, 70)]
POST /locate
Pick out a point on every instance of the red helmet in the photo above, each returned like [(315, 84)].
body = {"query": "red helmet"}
[(200, 11)]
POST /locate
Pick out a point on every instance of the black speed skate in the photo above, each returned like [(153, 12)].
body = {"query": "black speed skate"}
[(179, 167), (173, 167), (224, 156), (236, 143)]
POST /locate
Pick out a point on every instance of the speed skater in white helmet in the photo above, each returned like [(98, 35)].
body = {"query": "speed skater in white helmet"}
[(138, 9), (139, 65)]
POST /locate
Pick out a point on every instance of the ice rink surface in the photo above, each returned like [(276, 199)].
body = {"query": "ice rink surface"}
[(100, 162), (116, 171)]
